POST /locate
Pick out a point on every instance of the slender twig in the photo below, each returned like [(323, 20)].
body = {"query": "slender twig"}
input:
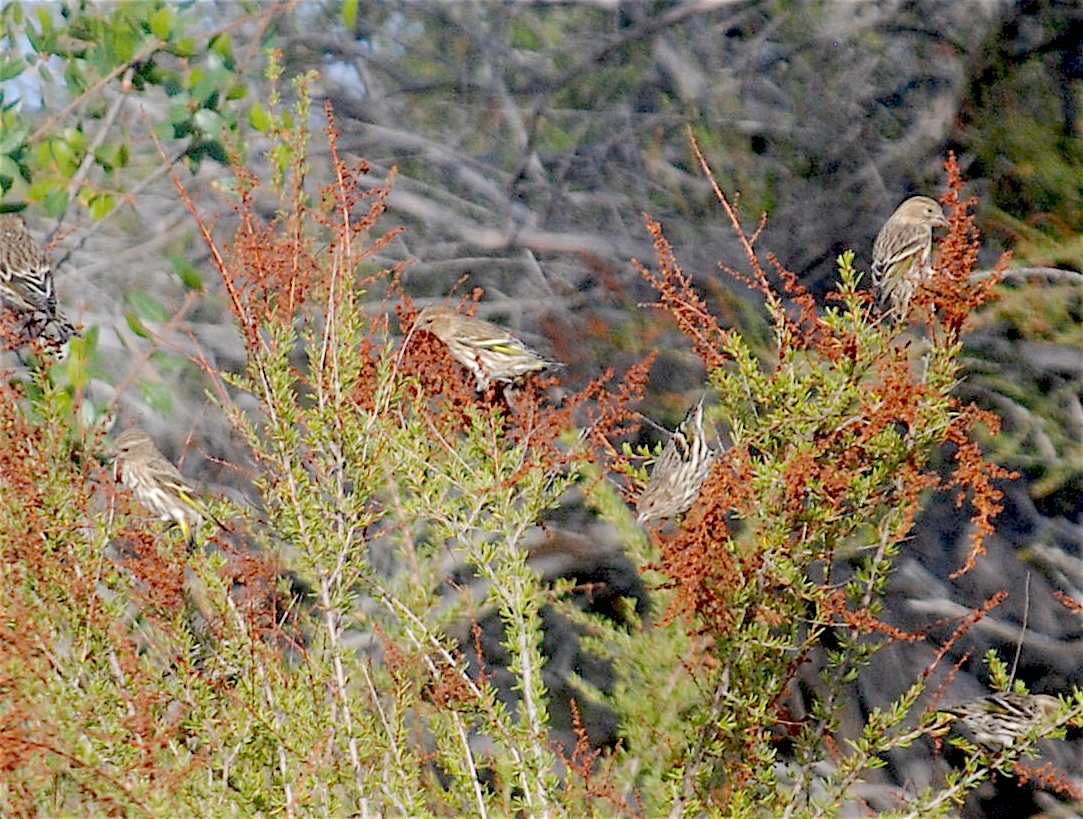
[(1024, 272), (148, 48), (88, 160), (1022, 631)]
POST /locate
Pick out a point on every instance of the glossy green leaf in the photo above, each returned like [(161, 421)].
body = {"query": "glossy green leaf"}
[(63, 156), (159, 395), (209, 122), (52, 194), (161, 23), (163, 129), (102, 205), (187, 272), (260, 118), (136, 326), (349, 14), (223, 45), (185, 47), (9, 167), (56, 202), (148, 307), (11, 67), (12, 136)]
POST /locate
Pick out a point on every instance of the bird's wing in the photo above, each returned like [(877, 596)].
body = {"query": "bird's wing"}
[(898, 245)]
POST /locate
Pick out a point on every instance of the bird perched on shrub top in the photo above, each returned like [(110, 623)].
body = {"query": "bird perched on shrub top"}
[(26, 282), (157, 484), (901, 252), (680, 470), (998, 721), (490, 352)]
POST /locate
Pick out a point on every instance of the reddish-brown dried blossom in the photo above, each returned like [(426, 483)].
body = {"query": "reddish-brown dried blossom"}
[(594, 774), (157, 564), (449, 688), (253, 578), (863, 621), (952, 294), (1072, 605), (679, 298), (271, 275), (1048, 777), (582, 757), (698, 559), (975, 476), (616, 413)]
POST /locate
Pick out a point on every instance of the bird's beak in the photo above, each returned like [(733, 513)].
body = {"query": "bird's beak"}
[(941, 221)]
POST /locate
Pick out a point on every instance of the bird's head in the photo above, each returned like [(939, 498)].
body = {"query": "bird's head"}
[(131, 441), (922, 210), (435, 319)]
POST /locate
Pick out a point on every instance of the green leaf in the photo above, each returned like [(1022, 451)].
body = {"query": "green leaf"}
[(8, 166), (51, 193), (178, 109), (185, 47), (223, 45), (11, 67), (124, 45), (136, 326), (260, 118), (164, 129), (101, 206), (159, 395), (64, 157), (209, 122), (78, 373), (13, 136), (148, 307), (76, 139), (349, 14), (161, 23), (187, 272)]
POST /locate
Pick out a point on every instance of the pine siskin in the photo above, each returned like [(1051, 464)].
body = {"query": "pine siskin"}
[(900, 254), (998, 721), (490, 352), (680, 470), (157, 484), (26, 281)]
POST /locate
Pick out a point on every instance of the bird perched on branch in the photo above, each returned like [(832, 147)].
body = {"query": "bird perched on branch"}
[(680, 470), (902, 250), (26, 283), (157, 484), (490, 352), (998, 721)]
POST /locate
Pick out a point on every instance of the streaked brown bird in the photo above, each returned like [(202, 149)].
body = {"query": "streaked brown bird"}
[(680, 470), (490, 352), (1000, 720), (26, 282), (157, 484), (902, 250)]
